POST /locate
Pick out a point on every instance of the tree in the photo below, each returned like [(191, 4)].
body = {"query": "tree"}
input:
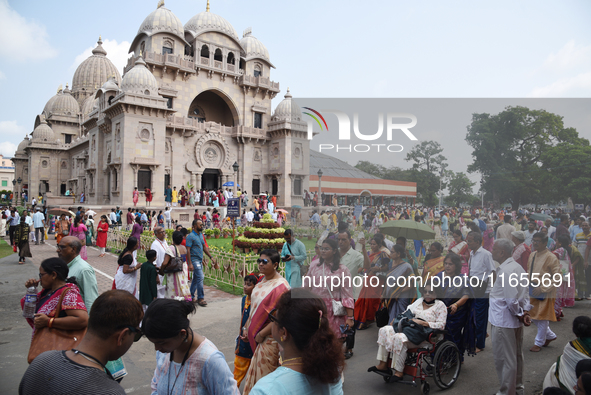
[(508, 149), (460, 189), (568, 171), (428, 169), (370, 168)]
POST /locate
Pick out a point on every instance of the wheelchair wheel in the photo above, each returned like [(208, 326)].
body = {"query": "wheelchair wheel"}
[(425, 388), (446, 365)]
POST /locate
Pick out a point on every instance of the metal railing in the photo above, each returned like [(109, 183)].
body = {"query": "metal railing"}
[(231, 270)]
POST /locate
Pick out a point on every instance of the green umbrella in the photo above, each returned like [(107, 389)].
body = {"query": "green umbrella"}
[(406, 228), (540, 217)]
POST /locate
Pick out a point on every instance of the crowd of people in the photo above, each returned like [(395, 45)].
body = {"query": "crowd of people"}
[(296, 331)]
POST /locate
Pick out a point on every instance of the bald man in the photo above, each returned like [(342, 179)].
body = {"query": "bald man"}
[(69, 250)]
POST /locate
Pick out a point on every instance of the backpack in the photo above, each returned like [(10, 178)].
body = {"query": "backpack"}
[(176, 263)]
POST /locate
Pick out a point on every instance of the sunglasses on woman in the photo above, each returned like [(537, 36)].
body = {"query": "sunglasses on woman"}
[(272, 317), (263, 261)]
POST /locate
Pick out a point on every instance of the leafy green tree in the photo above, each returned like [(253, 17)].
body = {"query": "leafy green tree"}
[(508, 149), (370, 168), (460, 189), (428, 167)]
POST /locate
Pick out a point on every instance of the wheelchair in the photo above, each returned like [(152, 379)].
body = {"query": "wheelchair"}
[(439, 359)]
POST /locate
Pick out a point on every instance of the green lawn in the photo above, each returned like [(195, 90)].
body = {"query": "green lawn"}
[(5, 249)]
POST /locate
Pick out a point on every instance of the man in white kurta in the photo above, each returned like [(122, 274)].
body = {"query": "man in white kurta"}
[(160, 246)]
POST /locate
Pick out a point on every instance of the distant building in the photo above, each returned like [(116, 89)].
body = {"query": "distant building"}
[(6, 173), (353, 186)]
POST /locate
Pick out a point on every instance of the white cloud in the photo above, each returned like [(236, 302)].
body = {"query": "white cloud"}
[(15, 131), (7, 149), (20, 39), (116, 53), (568, 57), (578, 86)]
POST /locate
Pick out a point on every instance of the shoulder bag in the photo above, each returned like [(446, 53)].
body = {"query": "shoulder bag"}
[(541, 296), (48, 339), (338, 310), (415, 333), (382, 315), (175, 264)]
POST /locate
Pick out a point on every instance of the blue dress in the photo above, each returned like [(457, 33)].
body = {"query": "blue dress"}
[(284, 381)]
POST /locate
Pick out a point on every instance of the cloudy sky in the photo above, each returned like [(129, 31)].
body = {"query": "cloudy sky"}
[(322, 48)]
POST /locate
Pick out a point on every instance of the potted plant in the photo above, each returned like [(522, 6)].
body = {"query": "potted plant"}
[(216, 233), (208, 233)]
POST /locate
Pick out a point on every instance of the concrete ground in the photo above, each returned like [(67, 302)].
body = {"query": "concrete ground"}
[(219, 322)]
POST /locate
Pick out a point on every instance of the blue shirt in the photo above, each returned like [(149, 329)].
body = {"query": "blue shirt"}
[(38, 219), (14, 221), (444, 223), (284, 381), (195, 244)]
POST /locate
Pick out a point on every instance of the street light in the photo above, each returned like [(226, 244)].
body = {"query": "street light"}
[(14, 193), (19, 180), (320, 186), (235, 167)]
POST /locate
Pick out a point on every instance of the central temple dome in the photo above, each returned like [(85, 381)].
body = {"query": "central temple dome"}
[(209, 22), (93, 72)]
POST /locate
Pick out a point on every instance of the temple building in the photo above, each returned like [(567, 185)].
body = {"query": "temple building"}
[(194, 101)]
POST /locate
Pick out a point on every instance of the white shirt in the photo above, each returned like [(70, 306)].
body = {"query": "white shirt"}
[(507, 302), (481, 265), (167, 215), (529, 236), (38, 219), (249, 216), (113, 217), (504, 231)]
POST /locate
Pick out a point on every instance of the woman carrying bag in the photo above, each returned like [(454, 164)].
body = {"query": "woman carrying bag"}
[(60, 315)]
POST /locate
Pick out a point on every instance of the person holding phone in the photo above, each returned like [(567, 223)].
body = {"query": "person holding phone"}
[(294, 256)]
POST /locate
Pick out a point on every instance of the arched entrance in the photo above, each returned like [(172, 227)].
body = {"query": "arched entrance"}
[(214, 106), (210, 179)]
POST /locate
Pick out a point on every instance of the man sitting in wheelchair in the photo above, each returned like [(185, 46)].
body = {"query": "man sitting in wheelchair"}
[(428, 312)]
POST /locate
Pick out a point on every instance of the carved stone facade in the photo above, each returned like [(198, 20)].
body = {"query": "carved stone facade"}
[(193, 100)]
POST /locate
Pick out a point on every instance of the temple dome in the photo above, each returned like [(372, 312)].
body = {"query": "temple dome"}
[(88, 105), (64, 104), (23, 144), (94, 71), (43, 134), (288, 109), (140, 80), (254, 48), (210, 22)]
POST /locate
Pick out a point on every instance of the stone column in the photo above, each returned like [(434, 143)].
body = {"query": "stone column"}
[(193, 180), (198, 182), (135, 168)]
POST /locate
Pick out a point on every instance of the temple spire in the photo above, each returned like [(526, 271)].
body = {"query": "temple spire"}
[(207, 9)]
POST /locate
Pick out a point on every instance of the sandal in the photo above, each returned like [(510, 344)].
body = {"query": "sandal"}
[(348, 354), (202, 302), (380, 371)]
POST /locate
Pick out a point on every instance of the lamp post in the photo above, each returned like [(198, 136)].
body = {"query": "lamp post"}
[(235, 167), (482, 191), (19, 180), (320, 187), (14, 192)]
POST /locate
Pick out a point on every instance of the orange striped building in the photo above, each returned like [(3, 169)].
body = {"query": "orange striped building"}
[(353, 186)]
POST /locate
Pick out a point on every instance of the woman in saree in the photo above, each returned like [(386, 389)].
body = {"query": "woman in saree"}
[(375, 264), (90, 233), (562, 373), (457, 295), (149, 197), (396, 296), (435, 263), (102, 231), (53, 278), (136, 196), (578, 263), (62, 228), (177, 283), (264, 298), (460, 247), (192, 198), (565, 294), (78, 230), (126, 276), (256, 204), (21, 240), (183, 193), (321, 276)]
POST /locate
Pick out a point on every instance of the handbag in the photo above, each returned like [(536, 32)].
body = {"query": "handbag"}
[(14, 247), (338, 310), (382, 316), (175, 264), (403, 323), (541, 296), (49, 339)]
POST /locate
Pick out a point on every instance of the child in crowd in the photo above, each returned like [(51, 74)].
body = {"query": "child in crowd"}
[(243, 351), (148, 280)]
